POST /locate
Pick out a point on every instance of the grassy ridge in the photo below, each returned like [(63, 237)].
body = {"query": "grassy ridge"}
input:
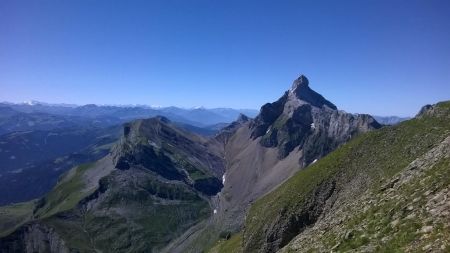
[(66, 194), (14, 215)]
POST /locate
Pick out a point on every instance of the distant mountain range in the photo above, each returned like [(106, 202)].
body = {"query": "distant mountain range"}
[(390, 120), (200, 116)]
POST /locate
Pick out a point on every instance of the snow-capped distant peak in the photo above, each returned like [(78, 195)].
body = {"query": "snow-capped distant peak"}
[(32, 102)]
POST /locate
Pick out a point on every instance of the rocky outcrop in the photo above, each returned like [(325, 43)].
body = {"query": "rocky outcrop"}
[(436, 111), (227, 132), (172, 153), (32, 238), (267, 116)]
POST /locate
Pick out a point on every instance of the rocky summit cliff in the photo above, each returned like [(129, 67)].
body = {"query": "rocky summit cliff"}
[(164, 189), (303, 118)]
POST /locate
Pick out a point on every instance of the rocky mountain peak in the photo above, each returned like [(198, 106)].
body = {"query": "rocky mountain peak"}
[(300, 81), (440, 110), (301, 90), (302, 117), (242, 118)]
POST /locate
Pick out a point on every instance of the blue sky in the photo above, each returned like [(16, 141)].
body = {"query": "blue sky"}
[(381, 57)]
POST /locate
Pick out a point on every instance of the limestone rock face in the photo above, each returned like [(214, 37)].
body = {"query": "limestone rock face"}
[(300, 88), (305, 119), (34, 238)]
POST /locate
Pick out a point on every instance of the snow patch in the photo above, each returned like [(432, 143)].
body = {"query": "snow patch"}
[(153, 144), (313, 162), (313, 126), (215, 211), (223, 179)]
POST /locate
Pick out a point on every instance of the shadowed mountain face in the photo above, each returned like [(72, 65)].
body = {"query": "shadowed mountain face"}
[(174, 154), (168, 190), (303, 118)]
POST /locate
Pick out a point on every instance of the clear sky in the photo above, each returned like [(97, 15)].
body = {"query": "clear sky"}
[(373, 56)]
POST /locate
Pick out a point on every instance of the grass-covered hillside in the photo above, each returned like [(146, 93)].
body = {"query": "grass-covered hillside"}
[(358, 198)]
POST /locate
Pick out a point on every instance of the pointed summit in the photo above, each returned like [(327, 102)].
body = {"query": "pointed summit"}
[(300, 81), (302, 91), (242, 118)]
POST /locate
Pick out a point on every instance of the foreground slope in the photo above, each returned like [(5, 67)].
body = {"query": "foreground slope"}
[(153, 186), (384, 190)]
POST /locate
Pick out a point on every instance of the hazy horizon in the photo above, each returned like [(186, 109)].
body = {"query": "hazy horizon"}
[(375, 57), (35, 102)]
